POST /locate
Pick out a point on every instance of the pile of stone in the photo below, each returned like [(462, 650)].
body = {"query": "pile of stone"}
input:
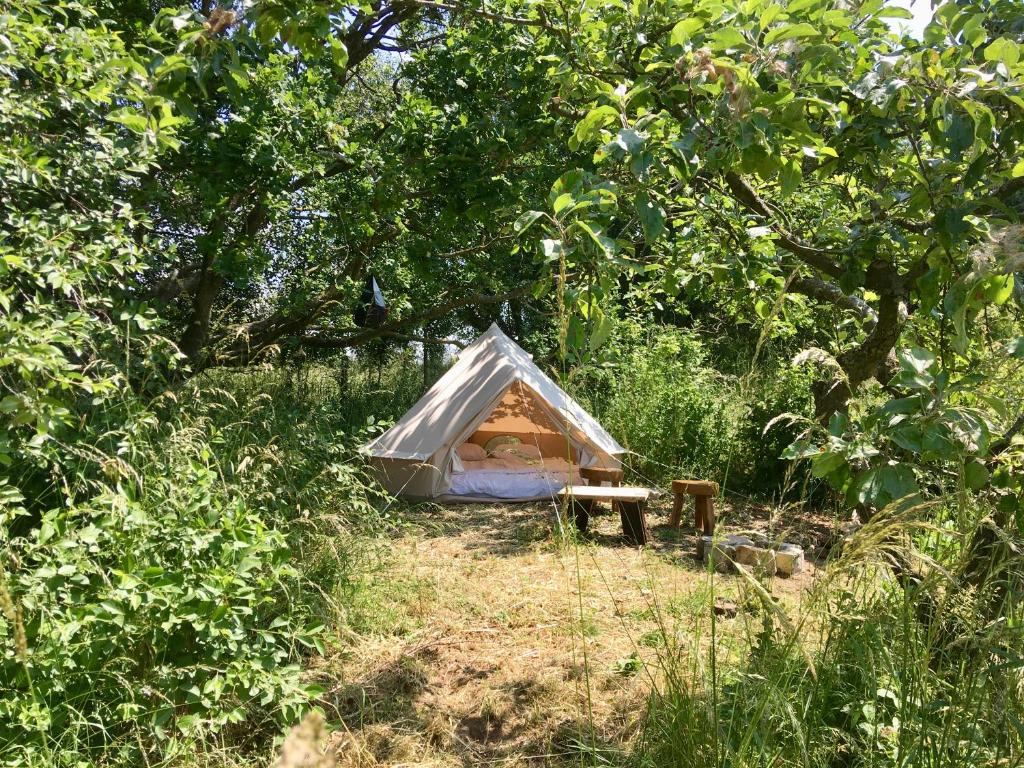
[(754, 552)]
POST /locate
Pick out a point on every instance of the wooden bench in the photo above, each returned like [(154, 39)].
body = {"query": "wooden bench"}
[(601, 475), (631, 503), (704, 493)]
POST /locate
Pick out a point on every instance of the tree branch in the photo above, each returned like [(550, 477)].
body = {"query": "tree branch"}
[(1000, 445), (831, 293), (321, 340), (813, 257), (357, 337)]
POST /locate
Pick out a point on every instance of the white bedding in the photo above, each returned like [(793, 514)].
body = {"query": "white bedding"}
[(511, 481)]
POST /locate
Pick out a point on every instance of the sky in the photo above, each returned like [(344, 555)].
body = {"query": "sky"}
[(922, 10)]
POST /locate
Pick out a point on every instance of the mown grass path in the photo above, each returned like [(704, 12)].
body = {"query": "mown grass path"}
[(489, 642)]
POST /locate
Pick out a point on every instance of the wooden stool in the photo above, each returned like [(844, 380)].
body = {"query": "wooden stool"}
[(598, 476), (703, 492)]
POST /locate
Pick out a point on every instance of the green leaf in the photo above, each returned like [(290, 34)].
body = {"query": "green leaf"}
[(552, 249), (959, 135), (652, 218), (790, 32), (601, 331), (974, 30), (824, 464), (881, 486), (588, 129), (131, 120), (894, 12), (1003, 50), (1015, 347), (726, 38), (684, 30), (1018, 169), (790, 176), (526, 221), (975, 475), (800, 449), (562, 202), (917, 360), (908, 436), (339, 53)]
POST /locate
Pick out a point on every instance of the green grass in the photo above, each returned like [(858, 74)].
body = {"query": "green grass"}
[(866, 672)]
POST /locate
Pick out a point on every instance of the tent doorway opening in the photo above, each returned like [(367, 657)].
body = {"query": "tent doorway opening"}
[(519, 451)]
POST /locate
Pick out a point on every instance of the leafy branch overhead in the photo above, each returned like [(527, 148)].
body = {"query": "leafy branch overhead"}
[(807, 148)]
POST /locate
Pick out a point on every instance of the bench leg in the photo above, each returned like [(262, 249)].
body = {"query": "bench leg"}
[(677, 511), (581, 515), (634, 521)]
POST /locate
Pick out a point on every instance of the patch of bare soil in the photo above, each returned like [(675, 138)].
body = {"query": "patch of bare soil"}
[(508, 645)]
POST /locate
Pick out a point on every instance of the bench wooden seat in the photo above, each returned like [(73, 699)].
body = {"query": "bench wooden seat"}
[(631, 503), (606, 492)]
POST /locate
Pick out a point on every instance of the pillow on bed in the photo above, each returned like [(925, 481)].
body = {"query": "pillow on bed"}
[(523, 450), (529, 454), (496, 442), (471, 452)]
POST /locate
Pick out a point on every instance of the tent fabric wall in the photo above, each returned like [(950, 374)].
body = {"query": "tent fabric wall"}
[(414, 457)]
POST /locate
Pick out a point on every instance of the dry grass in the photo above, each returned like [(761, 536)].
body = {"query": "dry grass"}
[(497, 644)]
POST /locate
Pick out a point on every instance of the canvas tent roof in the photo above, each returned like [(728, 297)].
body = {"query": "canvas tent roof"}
[(464, 395)]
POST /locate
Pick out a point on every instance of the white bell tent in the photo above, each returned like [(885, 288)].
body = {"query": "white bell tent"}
[(493, 427)]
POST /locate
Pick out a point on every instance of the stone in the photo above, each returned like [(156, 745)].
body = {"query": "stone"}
[(721, 552), (704, 544), (789, 559), (758, 559), (725, 608)]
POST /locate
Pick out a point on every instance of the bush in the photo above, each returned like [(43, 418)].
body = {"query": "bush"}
[(176, 600), (869, 672), (680, 416)]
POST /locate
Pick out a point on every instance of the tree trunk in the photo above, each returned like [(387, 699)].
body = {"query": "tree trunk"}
[(197, 332), (872, 358)]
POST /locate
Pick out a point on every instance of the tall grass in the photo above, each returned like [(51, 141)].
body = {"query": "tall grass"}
[(200, 553), (869, 670)]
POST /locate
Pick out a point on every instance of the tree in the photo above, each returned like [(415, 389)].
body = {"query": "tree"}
[(310, 155), (82, 128), (828, 157)]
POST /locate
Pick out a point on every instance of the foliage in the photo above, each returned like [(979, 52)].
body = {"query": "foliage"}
[(865, 672), (82, 126), (797, 150), (772, 176), (679, 415), (177, 601)]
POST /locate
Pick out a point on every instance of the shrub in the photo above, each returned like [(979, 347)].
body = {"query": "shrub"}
[(178, 598), (869, 672), (680, 416)]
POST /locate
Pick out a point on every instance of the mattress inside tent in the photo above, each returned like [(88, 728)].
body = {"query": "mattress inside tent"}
[(517, 415), (512, 482)]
